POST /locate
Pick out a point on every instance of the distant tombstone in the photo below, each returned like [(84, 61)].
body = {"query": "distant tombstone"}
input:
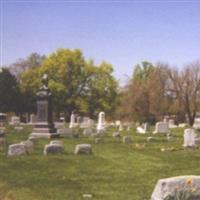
[(161, 127), (172, 124), (169, 188), (101, 122), (16, 149), (44, 127), (142, 129), (121, 127), (53, 149), (83, 149), (15, 120), (117, 123), (196, 124), (86, 123), (189, 138), (65, 132), (33, 118), (72, 123)]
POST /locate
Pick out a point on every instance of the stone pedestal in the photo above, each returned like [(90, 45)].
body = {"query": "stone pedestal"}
[(44, 127)]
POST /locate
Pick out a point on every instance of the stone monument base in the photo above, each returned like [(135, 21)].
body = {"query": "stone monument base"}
[(44, 130)]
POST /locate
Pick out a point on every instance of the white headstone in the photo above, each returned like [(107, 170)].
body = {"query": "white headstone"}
[(196, 124), (142, 129), (101, 122), (189, 138), (15, 120), (72, 123), (33, 118), (161, 127), (171, 124)]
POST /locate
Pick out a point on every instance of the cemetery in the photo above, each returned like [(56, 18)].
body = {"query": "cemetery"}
[(99, 100), (102, 160)]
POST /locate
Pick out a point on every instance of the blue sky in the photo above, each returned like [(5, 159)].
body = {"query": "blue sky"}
[(123, 33)]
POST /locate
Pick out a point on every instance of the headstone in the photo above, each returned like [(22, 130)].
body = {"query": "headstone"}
[(189, 138), (162, 128), (83, 149), (196, 124), (33, 118), (172, 124), (16, 149), (53, 149), (169, 188), (15, 120), (127, 140), (142, 129), (101, 122), (86, 122), (44, 127), (65, 132), (121, 127), (182, 125), (72, 123)]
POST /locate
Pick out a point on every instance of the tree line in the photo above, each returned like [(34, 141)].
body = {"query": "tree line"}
[(80, 85)]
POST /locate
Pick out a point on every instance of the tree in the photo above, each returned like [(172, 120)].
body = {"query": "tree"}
[(34, 60), (144, 98), (74, 82), (185, 89), (103, 93), (9, 92)]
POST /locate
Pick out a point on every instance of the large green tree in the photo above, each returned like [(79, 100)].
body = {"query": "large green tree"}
[(76, 84)]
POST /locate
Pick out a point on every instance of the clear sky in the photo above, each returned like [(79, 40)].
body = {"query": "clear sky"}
[(123, 33)]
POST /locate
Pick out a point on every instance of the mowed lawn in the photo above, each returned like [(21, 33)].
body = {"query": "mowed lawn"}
[(115, 171)]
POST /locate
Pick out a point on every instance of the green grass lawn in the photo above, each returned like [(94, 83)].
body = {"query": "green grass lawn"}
[(115, 171)]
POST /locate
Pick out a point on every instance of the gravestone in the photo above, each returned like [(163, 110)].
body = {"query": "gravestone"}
[(101, 122), (83, 149), (15, 120), (33, 118), (189, 138), (171, 187), (196, 124), (53, 149), (142, 129), (17, 149), (172, 124), (162, 128), (72, 123), (44, 127)]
